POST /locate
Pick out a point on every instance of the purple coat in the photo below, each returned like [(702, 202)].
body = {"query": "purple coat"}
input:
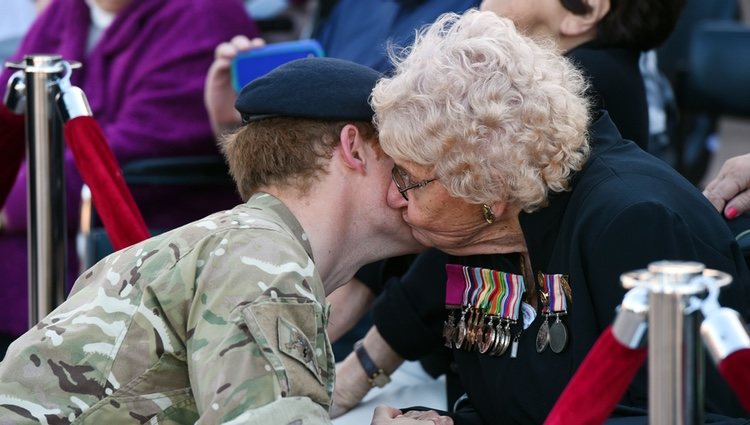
[(144, 80)]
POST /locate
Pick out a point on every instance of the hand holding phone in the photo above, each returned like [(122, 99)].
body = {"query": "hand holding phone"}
[(254, 63)]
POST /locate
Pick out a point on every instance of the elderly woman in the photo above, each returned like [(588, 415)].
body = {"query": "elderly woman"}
[(496, 153)]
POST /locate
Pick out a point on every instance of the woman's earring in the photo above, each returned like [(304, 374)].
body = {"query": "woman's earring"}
[(489, 217)]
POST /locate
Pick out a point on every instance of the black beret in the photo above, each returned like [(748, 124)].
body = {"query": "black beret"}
[(317, 88)]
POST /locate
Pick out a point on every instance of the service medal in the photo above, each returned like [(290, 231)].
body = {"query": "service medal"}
[(461, 332), (558, 336), (488, 337), (542, 337), (449, 331), (504, 343)]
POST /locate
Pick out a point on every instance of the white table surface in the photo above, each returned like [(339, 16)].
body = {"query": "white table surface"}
[(410, 386)]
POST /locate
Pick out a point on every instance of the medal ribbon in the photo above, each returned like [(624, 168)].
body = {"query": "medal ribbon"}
[(474, 282), (499, 295), (553, 285), (496, 293), (487, 286), (456, 286), (511, 303), (497, 289)]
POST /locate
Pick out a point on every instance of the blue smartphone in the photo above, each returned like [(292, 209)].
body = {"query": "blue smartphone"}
[(252, 64)]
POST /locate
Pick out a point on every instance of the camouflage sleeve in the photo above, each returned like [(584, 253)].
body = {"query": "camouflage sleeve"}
[(256, 337), (288, 410)]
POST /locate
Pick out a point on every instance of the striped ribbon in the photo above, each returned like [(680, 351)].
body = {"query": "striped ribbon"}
[(553, 285), (495, 292)]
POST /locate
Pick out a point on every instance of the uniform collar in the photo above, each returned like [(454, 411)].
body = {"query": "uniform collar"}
[(272, 204)]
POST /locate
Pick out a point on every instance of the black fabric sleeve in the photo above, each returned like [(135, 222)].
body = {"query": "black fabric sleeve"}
[(466, 416), (409, 314), (370, 276), (375, 275)]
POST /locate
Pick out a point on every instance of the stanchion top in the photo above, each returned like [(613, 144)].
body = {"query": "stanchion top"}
[(675, 277), (42, 63)]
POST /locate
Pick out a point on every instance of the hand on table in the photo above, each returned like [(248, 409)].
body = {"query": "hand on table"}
[(386, 415)]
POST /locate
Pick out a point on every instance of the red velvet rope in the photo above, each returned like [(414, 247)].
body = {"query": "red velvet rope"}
[(113, 202), (735, 369), (12, 149), (598, 384)]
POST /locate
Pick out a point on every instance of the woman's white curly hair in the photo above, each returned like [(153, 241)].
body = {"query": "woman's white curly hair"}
[(495, 115)]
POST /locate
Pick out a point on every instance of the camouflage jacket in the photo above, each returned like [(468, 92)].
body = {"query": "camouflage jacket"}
[(220, 321)]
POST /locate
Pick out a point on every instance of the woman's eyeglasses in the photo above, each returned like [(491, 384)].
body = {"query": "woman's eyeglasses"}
[(403, 183)]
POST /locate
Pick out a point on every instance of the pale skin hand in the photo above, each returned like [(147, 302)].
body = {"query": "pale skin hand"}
[(219, 95), (729, 192), (386, 415), (352, 384)]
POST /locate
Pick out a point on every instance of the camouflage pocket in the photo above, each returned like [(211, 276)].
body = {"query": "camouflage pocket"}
[(171, 407), (161, 393), (291, 337)]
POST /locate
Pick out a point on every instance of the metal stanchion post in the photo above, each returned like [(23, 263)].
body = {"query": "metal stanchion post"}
[(675, 352), (46, 184), (676, 381)]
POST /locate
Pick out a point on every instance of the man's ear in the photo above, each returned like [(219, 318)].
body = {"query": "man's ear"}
[(352, 148), (574, 25)]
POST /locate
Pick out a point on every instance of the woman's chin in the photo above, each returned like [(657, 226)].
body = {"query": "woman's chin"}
[(426, 239), (450, 245)]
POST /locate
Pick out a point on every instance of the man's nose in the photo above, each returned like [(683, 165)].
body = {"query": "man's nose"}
[(394, 198)]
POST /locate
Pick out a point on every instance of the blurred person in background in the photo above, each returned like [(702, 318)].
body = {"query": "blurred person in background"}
[(144, 67)]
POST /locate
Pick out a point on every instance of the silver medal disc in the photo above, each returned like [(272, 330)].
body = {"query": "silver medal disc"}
[(502, 343), (542, 337), (487, 338), (558, 336), (460, 333), (505, 342), (449, 332), (496, 337)]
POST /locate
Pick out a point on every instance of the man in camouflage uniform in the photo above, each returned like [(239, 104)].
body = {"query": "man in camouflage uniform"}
[(223, 320)]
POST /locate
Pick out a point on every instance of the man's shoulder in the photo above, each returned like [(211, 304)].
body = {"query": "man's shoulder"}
[(261, 229), (242, 218), (185, 246), (255, 242)]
